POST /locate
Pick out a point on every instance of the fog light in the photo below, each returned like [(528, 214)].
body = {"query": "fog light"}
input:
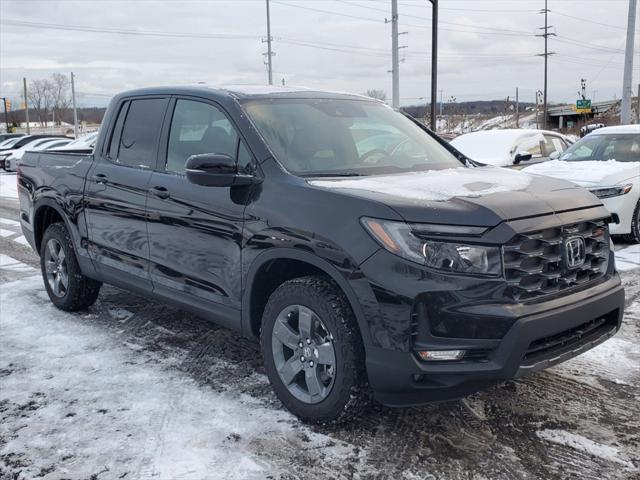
[(439, 355)]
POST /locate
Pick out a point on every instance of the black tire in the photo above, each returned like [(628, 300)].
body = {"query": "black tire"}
[(634, 236), (81, 292), (349, 392)]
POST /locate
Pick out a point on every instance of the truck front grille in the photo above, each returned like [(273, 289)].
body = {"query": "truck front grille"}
[(535, 263)]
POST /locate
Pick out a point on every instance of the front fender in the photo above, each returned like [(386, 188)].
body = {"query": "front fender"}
[(346, 275)]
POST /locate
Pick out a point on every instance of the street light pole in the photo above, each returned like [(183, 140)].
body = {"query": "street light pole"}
[(434, 62)]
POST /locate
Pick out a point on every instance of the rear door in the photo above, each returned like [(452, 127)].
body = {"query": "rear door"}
[(195, 232), (116, 193)]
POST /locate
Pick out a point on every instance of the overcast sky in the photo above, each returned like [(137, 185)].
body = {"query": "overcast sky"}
[(487, 47)]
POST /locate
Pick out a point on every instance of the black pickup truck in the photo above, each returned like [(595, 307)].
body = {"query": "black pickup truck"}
[(366, 254)]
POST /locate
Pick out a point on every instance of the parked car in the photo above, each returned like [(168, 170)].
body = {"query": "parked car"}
[(17, 143), (587, 129), (6, 136), (10, 158), (6, 144), (413, 275), (511, 147), (86, 143), (23, 140), (607, 162)]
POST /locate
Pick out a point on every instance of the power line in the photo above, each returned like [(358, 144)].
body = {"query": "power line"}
[(588, 20), (592, 46), (513, 33), (122, 31), (442, 22)]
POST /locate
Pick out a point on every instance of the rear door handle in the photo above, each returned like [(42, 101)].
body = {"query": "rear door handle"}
[(100, 178), (160, 192)]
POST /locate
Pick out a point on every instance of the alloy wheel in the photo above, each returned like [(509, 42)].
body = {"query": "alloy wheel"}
[(304, 354), (55, 264)]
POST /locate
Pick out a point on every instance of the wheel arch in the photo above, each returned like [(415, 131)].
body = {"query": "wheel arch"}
[(46, 213), (311, 264)]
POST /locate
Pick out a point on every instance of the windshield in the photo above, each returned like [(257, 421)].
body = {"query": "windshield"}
[(314, 137), (623, 147)]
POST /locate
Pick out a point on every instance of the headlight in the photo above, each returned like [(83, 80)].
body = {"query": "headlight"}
[(608, 192), (399, 238)]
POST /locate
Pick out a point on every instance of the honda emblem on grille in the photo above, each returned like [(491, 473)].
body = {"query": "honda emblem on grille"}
[(575, 252)]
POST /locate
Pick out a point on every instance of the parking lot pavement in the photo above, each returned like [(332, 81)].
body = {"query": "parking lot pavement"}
[(135, 389)]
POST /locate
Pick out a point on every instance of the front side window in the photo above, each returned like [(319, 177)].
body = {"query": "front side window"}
[(532, 145), (140, 133), (198, 128), (345, 137), (620, 147)]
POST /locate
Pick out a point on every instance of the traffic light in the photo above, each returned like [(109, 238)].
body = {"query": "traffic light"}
[(8, 105)]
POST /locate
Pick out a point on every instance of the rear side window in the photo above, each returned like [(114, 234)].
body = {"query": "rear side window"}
[(140, 133), (197, 128)]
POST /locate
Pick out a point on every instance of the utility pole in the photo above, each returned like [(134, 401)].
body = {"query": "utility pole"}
[(546, 55), (26, 105), (6, 117), (73, 101), (538, 101), (434, 62), (638, 106), (625, 110), (517, 110), (269, 53), (395, 61)]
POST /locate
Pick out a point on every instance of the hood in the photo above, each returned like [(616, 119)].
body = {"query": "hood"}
[(483, 196), (588, 173)]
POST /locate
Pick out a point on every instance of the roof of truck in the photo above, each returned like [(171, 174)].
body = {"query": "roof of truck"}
[(247, 91)]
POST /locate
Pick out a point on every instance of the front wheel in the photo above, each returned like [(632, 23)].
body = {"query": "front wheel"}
[(67, 287), (313, 351), (634, 236)]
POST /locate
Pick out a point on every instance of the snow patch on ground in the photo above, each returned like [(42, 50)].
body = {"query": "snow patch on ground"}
[(628, 258), (583, 173), (85, 404), (615, 359), (578, 442), (437, 185), (8, 186)]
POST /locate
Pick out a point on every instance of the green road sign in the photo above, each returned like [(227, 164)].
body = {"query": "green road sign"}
[(583, 105)]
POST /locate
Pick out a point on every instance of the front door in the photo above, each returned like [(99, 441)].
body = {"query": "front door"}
[(195, 232), (116, 194)]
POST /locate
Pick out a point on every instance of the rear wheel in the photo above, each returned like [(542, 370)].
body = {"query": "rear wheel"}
[(313, 352), (67, 287)]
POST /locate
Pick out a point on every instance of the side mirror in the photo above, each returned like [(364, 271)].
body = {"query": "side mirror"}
[(522, 157), (216, 170), (555, 155)]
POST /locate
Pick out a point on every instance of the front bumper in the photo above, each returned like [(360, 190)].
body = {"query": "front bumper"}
[(401, 379)]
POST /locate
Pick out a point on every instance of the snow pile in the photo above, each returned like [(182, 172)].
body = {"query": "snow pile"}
[(436, 185), (587, 172), (8, 186), (578, 442), (79, 404)]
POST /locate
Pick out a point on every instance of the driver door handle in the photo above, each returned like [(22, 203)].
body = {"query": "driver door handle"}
[(100, 178), (160, 192)]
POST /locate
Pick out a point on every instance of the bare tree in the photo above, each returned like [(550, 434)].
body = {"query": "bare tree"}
[(40, 95), (60, 96), (377, 94)]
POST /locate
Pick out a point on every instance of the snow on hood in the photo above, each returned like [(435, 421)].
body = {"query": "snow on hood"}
[(436, 185), (584, 173)]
